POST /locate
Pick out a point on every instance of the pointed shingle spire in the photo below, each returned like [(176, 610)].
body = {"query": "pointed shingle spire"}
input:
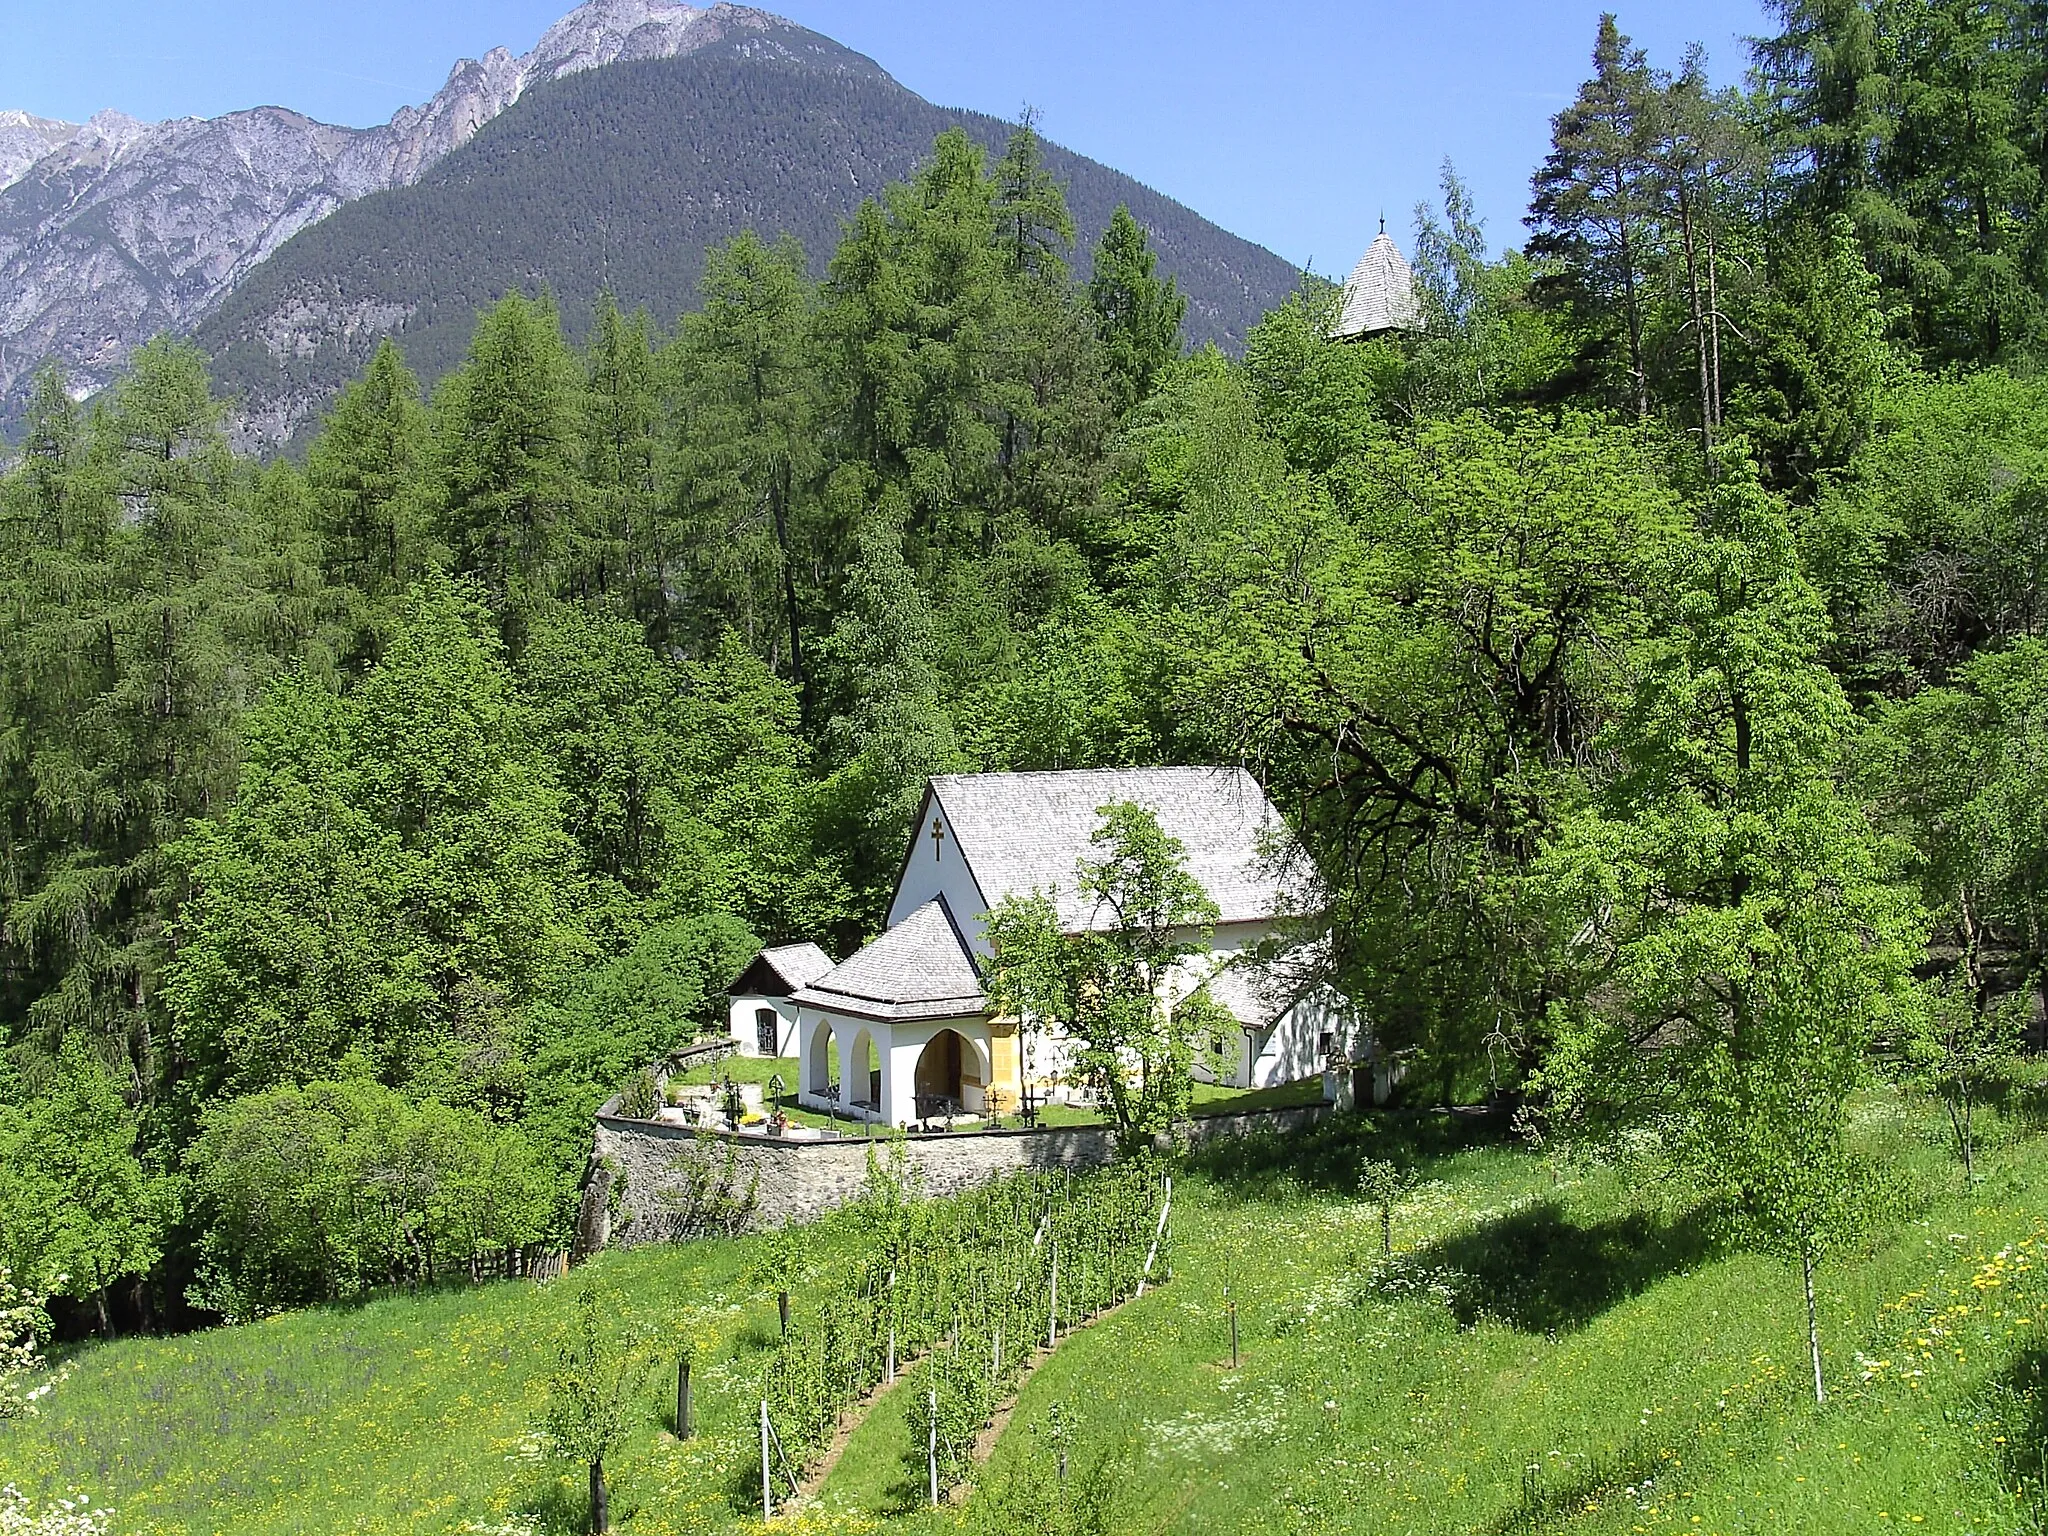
[(1380, 294)]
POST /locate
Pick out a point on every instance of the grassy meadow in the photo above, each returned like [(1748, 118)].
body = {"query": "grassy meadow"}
[(1551, 1348)]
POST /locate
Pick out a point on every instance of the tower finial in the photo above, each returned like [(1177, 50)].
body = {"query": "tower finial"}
[(1383, 223)]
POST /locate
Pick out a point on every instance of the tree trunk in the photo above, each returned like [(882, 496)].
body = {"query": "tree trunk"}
[(1820, 1390), (600, 1508), (1714, 317), (1699, 321), (1969, 1137), (1635, 323)]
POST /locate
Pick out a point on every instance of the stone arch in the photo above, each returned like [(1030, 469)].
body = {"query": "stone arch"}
[(952, 1068), (864, 1081), (821, 1060)]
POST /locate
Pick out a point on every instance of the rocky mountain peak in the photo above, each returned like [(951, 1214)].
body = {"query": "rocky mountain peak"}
[(24, 140)]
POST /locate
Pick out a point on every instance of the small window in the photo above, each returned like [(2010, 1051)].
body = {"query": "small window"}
[(767, 1030), (1326, 1043)]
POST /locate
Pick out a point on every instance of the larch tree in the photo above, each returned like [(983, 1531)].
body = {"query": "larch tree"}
[(747, 453), (1138, 314), (367, 470), (506, 449)]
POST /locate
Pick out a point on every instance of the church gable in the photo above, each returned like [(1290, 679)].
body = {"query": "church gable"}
[(983, 838), (935, 868)]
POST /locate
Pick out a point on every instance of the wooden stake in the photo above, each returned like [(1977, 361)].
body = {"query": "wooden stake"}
[(1052, 1311), (1233, 1335), (782, 1306), (931, 1449)]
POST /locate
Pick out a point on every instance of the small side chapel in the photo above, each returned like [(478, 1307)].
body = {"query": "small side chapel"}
[(903, 1032)]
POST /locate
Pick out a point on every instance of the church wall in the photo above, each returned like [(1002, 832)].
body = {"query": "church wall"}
[(940, 869), (745, 1033), (802, 1180)]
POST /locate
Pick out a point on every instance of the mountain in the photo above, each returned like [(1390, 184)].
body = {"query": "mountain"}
[(116, 230), (619, 180), (636, 133)]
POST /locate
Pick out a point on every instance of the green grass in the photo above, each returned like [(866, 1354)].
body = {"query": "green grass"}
[(1551, 1351), (742, 1069)]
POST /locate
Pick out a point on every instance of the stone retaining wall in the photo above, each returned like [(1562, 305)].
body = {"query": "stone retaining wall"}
[(802, 1180)]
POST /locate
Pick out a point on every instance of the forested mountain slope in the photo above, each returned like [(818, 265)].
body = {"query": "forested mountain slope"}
[(118, 230), (620, 179)]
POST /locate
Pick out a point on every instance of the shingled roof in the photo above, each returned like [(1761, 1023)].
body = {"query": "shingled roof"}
[(780, 971), (1380, 294), (1026, 832), (919, 969)]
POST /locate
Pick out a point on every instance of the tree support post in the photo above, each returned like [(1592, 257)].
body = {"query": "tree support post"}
[(1820, 1390), (931, 1447)]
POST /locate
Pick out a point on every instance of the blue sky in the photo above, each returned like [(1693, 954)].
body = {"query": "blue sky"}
[(1295, 125)]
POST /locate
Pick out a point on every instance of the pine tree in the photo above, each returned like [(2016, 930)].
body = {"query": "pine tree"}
[(1593, 204)]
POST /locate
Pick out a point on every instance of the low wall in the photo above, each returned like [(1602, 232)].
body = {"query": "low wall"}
[(802, 1180)]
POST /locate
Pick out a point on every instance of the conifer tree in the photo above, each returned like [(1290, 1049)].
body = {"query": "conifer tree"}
[(1138, 315), (747, 449), (1592, 205), (367, 470), (506, 446), (613, 560)]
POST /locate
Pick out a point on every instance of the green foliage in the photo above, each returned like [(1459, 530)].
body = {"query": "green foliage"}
[(329, 1190), (973, 1284), (505, 451), (1961, 1049), (1742, 940), (367, 472), (77, 1210), (1137, 315), (597, 1374), (1930, 546), (1111, 989), (23, 1324), (1382, 1184)]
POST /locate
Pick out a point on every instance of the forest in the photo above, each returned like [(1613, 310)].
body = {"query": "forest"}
[(1648, 650)]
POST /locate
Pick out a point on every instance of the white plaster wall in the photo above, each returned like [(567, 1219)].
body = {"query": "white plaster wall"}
[(744, 1036), (1292, 1049), (940, 872)]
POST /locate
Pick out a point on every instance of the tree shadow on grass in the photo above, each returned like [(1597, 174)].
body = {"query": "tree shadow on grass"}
[(1325, 1158), (1539, 1271), (2019, 1403)]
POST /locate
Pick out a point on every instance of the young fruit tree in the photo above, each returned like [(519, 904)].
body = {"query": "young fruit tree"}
[(1960, 1050), (1109, 987), (1381, 1184), (1732, 932), (597, 1373)]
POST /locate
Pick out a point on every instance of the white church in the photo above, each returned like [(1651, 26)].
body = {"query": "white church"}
[(903, 1033)]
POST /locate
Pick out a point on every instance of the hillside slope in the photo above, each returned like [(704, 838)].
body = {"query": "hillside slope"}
[(1541, 1354), (620, 179)]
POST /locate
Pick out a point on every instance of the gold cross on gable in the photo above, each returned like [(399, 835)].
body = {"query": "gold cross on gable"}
[(938, 839)]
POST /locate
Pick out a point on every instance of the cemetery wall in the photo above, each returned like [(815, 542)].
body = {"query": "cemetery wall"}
[(802, 1180)]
